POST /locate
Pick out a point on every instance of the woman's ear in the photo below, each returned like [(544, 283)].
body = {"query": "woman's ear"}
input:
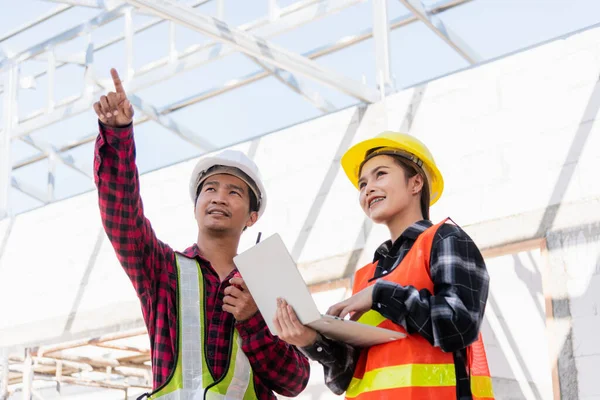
[(417, 183)]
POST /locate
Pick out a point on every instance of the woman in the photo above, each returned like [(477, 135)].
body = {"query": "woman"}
[(429, 281)]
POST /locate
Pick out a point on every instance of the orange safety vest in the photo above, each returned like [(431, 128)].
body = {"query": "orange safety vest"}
[(411, 368)]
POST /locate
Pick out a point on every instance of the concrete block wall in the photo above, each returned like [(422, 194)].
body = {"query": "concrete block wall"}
[(574, 254), (514, 330), (518, 143)]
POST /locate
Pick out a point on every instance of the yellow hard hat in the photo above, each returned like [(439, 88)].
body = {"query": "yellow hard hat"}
[(407, 146)]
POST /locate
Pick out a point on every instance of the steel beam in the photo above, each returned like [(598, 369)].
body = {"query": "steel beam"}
[(74, 58), (11, 83), (381, 36), (69, 34), (27, 375), (289, 80), (58, 10), (221, 10), (180, 130), (256, 47), (81, 3), (172, 42), (51, 151), (273, 10), (29, 190), (85, 3), (100, 4), (3, 374), (51, 177), (69, 107), (129, 70), (51, 80), (444, 33)]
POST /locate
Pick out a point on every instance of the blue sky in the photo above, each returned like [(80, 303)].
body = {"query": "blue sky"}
[(492, 28)]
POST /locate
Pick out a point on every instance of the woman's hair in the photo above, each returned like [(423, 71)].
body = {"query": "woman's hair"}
[(410, 170)]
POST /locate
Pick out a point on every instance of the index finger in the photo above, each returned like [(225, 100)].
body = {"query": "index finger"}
[(347, 310), (117, 81), (335, 309)]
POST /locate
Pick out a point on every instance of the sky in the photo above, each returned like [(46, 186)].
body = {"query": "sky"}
[(492, 28)]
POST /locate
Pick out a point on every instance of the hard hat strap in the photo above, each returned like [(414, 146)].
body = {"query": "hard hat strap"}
[(391, 151)]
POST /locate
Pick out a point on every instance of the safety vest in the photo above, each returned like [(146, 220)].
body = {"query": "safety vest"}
[(192, 376), (411, 368)]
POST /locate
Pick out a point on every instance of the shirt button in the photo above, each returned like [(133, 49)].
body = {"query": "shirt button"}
[(319, 349)]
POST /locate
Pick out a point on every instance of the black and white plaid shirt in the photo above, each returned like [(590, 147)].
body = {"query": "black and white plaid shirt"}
[(448, 318)]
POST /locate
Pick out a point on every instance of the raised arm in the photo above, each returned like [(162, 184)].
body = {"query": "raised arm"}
[(116, 177)]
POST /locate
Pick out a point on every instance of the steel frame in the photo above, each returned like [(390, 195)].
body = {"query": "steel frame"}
[(250, 38), (446, 34)]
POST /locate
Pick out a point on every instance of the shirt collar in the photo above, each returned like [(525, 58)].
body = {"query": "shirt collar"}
[(388, 248), (194, 252)]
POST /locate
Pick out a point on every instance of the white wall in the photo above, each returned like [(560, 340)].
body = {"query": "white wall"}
[(514, 330), (517, 141)]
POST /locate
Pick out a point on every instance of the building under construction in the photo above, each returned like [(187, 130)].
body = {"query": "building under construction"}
[(506, 95)]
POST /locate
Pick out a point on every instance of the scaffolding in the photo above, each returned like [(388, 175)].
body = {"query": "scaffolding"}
[(126, 367)]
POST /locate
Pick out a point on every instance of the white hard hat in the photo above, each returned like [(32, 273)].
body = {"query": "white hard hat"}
[(233, 161)]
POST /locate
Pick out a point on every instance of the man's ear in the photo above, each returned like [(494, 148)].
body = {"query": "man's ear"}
[(196, 207), (252, 219)]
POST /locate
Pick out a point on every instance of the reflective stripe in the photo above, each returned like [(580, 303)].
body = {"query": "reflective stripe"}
[(191, 368), (179, 395), (241, 374), (481, 386), (401, 376), (186, 394), (372, 318), (411, 368), (191, 338)]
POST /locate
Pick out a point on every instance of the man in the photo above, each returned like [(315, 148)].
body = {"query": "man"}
[(208, 339), (429, 281)]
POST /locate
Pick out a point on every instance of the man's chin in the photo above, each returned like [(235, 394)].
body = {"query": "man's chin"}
[(217, 229)]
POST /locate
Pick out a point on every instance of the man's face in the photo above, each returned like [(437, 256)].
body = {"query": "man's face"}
[(223, 205)]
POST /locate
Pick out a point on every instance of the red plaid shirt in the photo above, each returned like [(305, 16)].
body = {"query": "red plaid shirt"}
[(150, 264)]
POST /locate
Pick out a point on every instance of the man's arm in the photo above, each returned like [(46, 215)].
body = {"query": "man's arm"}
[(116, 177), (282, 367), (450, 317)]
